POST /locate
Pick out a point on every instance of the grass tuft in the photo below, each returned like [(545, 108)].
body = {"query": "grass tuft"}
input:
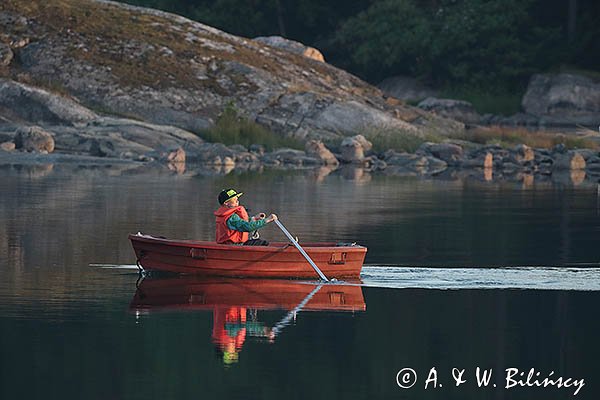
[(231, 128), (385, 139), (511, 136)]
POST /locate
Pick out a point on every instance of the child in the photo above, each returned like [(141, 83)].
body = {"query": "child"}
[(233, 224)]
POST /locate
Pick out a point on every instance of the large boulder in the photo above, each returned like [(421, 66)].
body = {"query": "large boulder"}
[(353, 149), (243, 156), (482, 159), (101, 147), (24, 102), (289, 157), (169, 155), (169, 70), (34, 139), (563, 99), (213, 153), (449, 152), (524, 154), (291, 46), (317, 149), (459, 110), (391, 157), (315, 116), (123, 138), (411, 164)]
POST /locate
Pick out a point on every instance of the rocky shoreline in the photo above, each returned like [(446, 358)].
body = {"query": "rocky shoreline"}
[(71, 133), (354, 158), (71, 93), (551, 101)]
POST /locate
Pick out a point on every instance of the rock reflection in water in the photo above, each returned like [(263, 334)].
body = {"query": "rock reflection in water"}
[(35, 171), (569, 177), (488, 174), (235, 304), (355, 174), (527, 180), (178, 168), (319, 174)]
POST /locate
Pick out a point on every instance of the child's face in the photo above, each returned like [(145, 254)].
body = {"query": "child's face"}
[(233, 202)]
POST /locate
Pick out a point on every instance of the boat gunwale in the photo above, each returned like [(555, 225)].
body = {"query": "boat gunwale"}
[(313, 247)]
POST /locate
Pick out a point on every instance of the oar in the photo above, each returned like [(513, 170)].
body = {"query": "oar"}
[(301, 250)]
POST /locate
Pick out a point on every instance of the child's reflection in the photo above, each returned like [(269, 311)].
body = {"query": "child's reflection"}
[(230, 328)]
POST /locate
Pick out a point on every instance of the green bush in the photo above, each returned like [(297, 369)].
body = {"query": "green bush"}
[(383, 140), (231, 128)]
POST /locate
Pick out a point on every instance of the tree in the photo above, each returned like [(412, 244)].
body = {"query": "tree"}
[(453, 42), (390, 37), (480, 41), (572, 20)]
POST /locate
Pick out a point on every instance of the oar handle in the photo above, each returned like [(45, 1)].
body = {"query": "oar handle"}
[(301, 250)]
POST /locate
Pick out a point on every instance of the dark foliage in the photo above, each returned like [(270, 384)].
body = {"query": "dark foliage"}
[(476, 43)]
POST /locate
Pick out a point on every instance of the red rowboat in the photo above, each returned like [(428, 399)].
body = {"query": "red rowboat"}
[(278, 260)]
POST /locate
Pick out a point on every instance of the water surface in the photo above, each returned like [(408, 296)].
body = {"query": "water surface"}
[(460, 274)]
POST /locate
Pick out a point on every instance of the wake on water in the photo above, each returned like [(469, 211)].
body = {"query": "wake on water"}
[(537, 278), (402, 277)]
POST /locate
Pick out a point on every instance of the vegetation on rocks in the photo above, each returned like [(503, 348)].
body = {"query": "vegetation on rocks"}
[(511, 136), (136, 48), (383, 140), (232, 128), (506, 137)]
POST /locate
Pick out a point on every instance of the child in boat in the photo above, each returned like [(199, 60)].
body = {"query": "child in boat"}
[(233, 223)]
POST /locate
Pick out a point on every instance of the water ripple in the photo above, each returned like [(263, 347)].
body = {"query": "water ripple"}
[(535, 278)]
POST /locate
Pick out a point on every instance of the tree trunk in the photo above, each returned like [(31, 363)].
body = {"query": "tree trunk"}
[(572, 20), (280, 18)]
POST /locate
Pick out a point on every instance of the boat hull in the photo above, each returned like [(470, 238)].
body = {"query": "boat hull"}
[(278, 260)]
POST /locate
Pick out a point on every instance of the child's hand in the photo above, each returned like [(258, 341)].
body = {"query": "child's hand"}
[(259, 216)]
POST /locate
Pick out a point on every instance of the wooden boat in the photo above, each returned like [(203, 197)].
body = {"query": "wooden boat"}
[(278, 260)]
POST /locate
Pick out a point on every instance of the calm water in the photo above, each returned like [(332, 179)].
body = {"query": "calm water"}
[(460, 274)]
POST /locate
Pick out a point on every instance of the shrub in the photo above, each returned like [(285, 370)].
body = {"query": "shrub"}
[(385, 139)]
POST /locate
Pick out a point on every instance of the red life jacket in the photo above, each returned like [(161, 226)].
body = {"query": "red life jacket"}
[(222, 233)]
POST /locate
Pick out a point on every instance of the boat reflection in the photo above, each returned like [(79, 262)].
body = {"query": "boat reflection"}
[(235, 304)]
